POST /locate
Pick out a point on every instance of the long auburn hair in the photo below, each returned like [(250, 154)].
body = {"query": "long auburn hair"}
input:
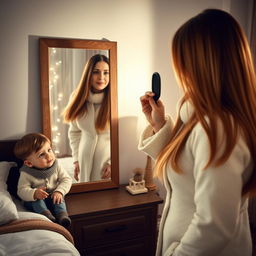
[(213, 63), (77, 105)]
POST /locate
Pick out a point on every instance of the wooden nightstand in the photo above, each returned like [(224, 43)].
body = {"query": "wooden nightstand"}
[(114, 222)]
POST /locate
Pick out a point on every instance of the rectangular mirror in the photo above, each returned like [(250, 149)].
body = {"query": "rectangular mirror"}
[(67, 68)]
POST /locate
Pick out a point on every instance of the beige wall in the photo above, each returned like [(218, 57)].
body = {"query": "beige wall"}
[(143, 30)]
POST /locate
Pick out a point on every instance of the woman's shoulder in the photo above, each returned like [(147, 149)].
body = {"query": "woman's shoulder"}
[(199, 136)]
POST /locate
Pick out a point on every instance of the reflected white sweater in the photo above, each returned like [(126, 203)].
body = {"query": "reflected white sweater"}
[(90, 148), (204, 213)]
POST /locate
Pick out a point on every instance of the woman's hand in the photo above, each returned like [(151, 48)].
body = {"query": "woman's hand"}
[(154, 111), (106, 172), (76, 171), (57, 197)]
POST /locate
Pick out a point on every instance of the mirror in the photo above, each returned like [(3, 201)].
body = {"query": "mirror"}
[(62, 62)]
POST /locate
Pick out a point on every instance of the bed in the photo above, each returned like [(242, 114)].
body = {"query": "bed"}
[(23, 232)]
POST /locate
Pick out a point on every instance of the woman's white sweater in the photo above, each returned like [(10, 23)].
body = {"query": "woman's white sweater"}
[(89, 148), (204, 212)]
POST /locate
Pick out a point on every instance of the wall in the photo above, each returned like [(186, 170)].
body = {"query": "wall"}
[(143, 30)]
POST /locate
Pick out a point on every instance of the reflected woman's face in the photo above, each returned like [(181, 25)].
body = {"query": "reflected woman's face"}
[(100, 76)]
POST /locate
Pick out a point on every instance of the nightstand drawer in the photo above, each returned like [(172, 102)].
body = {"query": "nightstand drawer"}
[(136, 247), (120, 229), (113, 227)]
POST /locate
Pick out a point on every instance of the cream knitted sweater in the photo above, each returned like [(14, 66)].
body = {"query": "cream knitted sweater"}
[(59, 181), (204, 213)]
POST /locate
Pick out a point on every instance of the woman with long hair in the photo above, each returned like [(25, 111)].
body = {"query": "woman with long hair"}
[(88, 114), (206, 158)]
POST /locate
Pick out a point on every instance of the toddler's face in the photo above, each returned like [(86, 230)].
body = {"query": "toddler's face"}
[(43, 158)]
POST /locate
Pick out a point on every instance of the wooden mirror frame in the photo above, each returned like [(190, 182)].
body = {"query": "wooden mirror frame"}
[(44, 45)]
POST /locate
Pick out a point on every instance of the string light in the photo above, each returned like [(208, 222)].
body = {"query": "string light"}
[(56, 81), (55, 128), (54, 75)]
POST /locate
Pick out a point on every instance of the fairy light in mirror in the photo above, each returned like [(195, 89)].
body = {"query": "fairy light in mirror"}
[(54, 75)]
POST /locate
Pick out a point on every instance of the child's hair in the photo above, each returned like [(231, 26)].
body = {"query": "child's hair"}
[(29, 144), (77, 106)]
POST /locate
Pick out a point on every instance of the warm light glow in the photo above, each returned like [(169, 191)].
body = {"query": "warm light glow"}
[(54, 75), (55, 128)]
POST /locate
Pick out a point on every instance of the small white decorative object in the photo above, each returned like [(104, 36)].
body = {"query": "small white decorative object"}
[(137, 183)]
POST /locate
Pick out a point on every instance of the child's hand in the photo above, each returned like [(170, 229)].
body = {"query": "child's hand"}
[(40, 193), (57, 197), (106, 172)]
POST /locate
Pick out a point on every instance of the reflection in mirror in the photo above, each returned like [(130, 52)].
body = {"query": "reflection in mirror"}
[(83, 147), (79, 109)]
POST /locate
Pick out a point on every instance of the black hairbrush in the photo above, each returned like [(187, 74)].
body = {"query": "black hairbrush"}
[(156, 86)]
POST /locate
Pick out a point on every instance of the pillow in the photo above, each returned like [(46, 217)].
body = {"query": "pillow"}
[(4, 172), (8, 210)]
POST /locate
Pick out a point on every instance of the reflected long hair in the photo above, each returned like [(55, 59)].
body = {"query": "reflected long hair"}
[(213, 64), (77, 105)]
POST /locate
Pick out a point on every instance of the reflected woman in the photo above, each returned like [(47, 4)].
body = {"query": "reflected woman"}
[(88, 115)]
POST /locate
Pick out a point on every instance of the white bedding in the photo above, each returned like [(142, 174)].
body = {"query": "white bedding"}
[(35, 242), (67, 164)]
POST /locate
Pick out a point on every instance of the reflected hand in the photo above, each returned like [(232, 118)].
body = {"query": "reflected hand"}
[(40, 193), (57, 197), (154, 111), (76, 171), (106, 172)]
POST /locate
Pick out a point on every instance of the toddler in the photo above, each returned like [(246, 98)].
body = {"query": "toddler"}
[(43, 183)]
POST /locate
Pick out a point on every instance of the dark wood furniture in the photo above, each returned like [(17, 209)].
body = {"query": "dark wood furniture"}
[(114, 222)]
